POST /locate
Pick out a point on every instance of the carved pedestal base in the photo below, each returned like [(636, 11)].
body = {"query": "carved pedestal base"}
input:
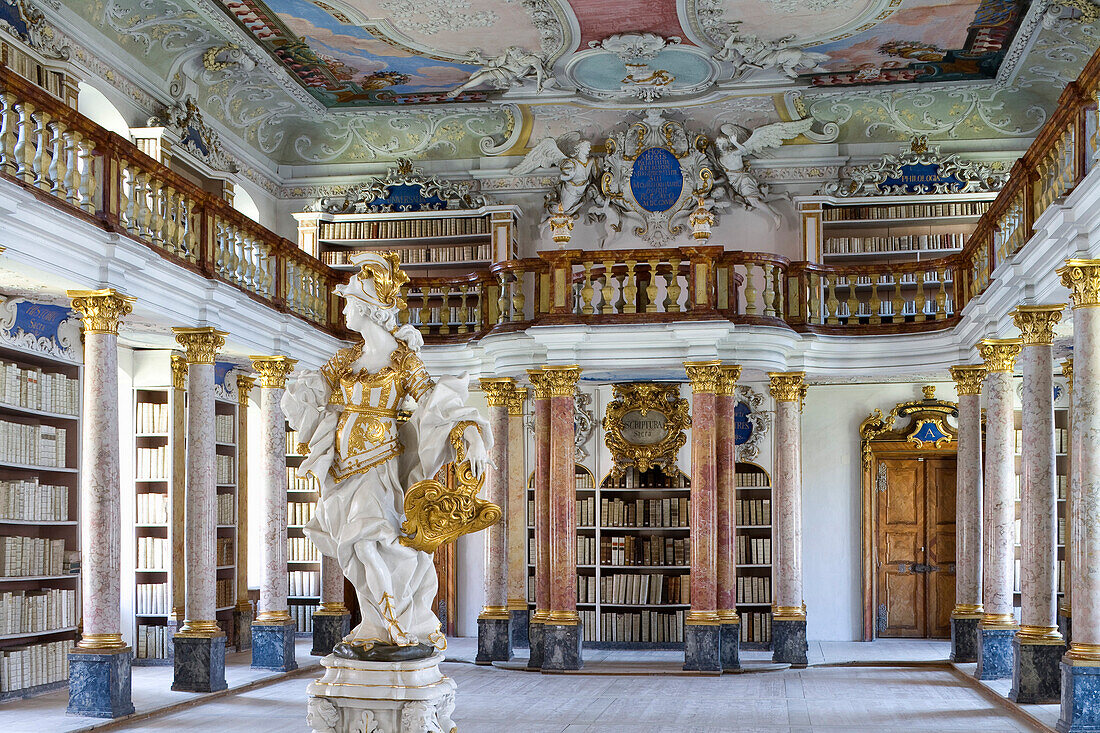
[(789, 642), (534, 637), (200, 664), (561, 646), (964, 640), (730, 643), (702, 647), (519, 621), (1036, 673), (328, 631), (1065, 626), (273, 646), (493, 642), (242, 620), (381, 697), (99, 684), (1080, 699), (995, 654)]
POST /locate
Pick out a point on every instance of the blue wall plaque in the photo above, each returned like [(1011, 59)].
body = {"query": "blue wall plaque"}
[(921, 178), (656, 179), (40, 319), (742, 426), (221, 369)]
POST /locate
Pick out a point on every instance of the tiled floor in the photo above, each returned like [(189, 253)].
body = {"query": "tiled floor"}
[(834, 697)]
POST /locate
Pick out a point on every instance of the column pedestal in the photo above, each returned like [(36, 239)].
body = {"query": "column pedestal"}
[(328, 630), (730, 645), (1065, 627), (789, 642), (1036, 675), (99, 684), (995, 651), (273, 646), (561, 646), (242, 620), (702, 647), (534, 639), (493, 641), (1080, 699), (200, 664), (519, 622), (964, 639)]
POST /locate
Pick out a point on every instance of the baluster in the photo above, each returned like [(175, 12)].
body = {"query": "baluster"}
[(919, 299), (750, 291), (587, 291), (898, 302), (9, 124), (479, 292), (125, 189), (608, 292), (87, 177), (463, 310), (941, 296), (875, 304), (168, 225), (147, 203), (156, 221), (57, 170), (769, 291), (672, 286), (502, 298), (630, 289), (519, 299), (71, 184), (445, 310), (43, 143), (651, 288), (425, 311), (192, 231), (832, 305), (137, 200), (24, 145), (853, 300), (814, 299)]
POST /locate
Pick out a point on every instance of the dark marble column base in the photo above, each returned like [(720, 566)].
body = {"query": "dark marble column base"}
[(994, 653), (328, 630), (273, 646), (964, 639), (729, 651), (242, 621), (493, 641), (561, 646), (1065, 626), (789, 642), (534, 639), (518, 621), (200, 664), (702, 647), (99, 684), (1036, 673), (1080, 699)]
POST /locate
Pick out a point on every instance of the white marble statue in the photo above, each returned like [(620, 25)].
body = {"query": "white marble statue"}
[(576, 169), (510, 67), (736, 143), (747, 52), (365, 460)]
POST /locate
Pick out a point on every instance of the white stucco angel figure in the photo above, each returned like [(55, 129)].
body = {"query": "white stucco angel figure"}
[(737, 142), (747, 52), (510, 67), (365, 460), (576, 168)]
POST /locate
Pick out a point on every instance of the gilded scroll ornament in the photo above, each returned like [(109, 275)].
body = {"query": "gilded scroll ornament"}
[(968, 379), (999, 354), (727, 380), (515, 400), (200, 345), (1082, 278), (644, 426), (539, 383), (101, 310), (273, 370), (1036, 323)]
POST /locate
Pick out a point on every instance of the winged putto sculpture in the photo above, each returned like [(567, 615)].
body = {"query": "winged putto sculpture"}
[(500, 72), (572, 156), (747, 53)]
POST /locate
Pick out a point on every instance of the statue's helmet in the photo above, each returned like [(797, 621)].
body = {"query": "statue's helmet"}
[(378, 282)]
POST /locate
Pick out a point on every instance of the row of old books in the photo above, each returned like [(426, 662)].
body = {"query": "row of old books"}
[(586, 550), (33, 445), (152, 418), (151, 599), (624, 551), (303, 616), (654, 478), (299, 512), (756, 627), (294, 482), (752, 512), (31, 501), (588, 622), (673, 512), (292, 443), (906, 211), (226, 515), (27, 556), (645, 626), (420, 255), (35, 389), (586, 512), (37, 664), (586, 589), (152, 642), (152, 553), (151, 508), (304, 583), (153, 464), (754, 550), (223, 551), (224, 428), (898, 243), (404, 228), (224, 470), (751, 480), (754, 589), (224, 592), (300, 549), (648, 588), (33, 611)]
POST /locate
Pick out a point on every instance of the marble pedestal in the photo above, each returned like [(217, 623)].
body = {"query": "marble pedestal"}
[(1080, 700), (789, 642), (730, 646), (381, 697), (493, 641), (1036, 677), (200, 664), (327, 631), (534, 640), (99, 684), (1065, 627), (561, 646), (964, 640), (994, 653), (273, 646), (517, 630), (702, 646), (242, 621)]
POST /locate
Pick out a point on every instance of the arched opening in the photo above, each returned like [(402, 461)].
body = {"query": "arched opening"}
[(91, 103)]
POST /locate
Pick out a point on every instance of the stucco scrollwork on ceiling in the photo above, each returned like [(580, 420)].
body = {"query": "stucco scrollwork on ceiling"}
[(161, 25)]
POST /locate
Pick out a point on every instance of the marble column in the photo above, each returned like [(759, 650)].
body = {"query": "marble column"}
[(968, 515), (1065, 606), (561, 631), (1081, 664), (332, 620), (200, 642), (493, 641), (726, 522), (99, 665), (788, 608), (518, 616), (997, 627), (178, 496), (541, 387), (242, 615), (1037, 647), (702, 627), (273, 630)]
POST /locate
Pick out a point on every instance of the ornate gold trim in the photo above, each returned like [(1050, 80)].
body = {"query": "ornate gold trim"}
[(245, 384), (562, 380), (179, 372), (645, 397), (498, 390), (538, 616), (703, 375), (515, 401), (517, 604), (273, 618), (200, 345), (788, 387), (1036, 323), (728, 616), (1083, 655), (1067, 371), (101, 310), (331, 608), (999, 354), (561, 618), (200, 630), (789, 613), (494, 613), (101, 642), (539, 384), (1082, 278), (727, 380), (998, 621), (243, 606), (273, 370), (702, 618), (1040, 635), (968, 610), (968, 378)]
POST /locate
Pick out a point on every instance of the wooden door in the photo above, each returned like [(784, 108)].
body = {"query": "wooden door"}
[(915, 541)]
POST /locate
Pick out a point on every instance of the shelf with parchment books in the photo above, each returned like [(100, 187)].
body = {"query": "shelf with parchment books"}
[(753, 554), (303, 558), (226, 471), (40, 403)]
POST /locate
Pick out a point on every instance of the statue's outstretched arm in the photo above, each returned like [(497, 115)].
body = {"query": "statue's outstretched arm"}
[(306, 406)]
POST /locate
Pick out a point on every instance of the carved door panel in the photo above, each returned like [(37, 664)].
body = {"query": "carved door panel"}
[(900, 545), (939, 474)]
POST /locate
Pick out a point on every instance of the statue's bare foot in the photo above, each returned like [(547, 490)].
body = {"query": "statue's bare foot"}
[(366, 651)]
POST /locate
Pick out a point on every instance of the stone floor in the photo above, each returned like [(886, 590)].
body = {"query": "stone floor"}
[(845, 691)]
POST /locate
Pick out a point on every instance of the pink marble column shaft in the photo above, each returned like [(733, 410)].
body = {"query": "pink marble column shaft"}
[(517, 506), (968, 493), (273, 488), (1086, 541), (332, 586), (788, 389), (563, 512), (496, 565), (726, 520), (704, 378), (1073, 479), (200, 511), (541, 559)]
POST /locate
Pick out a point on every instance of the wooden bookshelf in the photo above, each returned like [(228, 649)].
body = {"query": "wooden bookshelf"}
[(39, 510), (753, 538), (303, 559), (226, 474)]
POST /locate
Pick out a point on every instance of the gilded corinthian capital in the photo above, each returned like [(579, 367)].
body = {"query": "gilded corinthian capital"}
[(179, 372), (703, 375), (273, 370), (539, 383), (562, 380), (1067, 371), (727, 380), (968, 379), (200, 345), (497, 391), (1082, 277), (515, 400), (1036, 323), (101, 310), (999, 354), (245, 384), (788, 386)]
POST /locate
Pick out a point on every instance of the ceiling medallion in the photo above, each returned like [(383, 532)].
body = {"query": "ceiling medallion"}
[(642, 66)]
